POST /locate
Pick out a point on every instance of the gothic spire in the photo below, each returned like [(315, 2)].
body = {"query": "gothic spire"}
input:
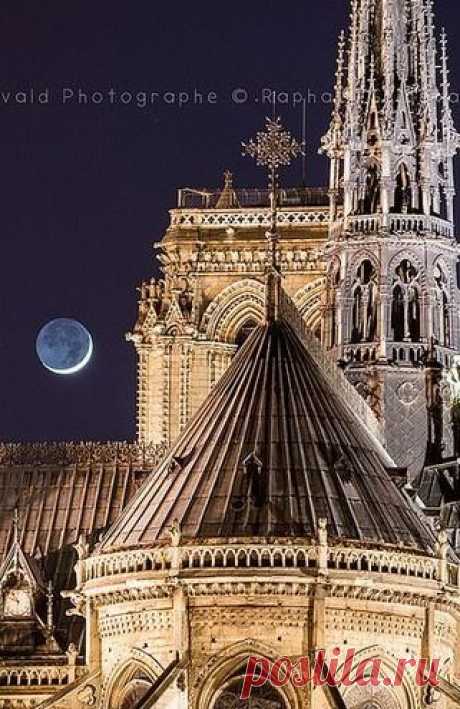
[(394, 149)]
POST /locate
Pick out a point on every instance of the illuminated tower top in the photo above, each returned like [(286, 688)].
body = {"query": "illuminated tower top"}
[(392, 140)]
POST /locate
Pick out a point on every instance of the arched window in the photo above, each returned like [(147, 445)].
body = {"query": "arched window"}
[(403, 193), (130, 687), (364, 315), (266, 697), (405, 312), (369, 202), (135, 690), (441, 310), (331, 322)]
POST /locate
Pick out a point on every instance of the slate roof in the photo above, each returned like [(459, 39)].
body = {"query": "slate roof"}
[(62, 491), (272, 449)]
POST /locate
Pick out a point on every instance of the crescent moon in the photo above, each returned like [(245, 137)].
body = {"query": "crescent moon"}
[(77, 367)]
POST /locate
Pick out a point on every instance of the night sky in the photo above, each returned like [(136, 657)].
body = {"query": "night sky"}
[(85, 190)]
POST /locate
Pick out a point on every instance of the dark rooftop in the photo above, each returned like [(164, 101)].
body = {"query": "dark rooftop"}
[(273, 449)]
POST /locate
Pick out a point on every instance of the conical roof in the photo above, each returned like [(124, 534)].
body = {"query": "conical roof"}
[(273, 449)]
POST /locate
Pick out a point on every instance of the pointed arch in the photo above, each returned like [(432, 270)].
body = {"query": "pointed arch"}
[(408, 255), (239, 303), (356, 259), (364, 297), (408, 296), (441, 302), (403, 197), (229, 661), (138, 666), (441, 263), (402, 697)]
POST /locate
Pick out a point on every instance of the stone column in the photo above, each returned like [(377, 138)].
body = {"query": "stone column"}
[(385, 318), (93, 643)]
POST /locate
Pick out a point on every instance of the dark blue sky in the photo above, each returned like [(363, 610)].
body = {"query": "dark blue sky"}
[(85, 190)]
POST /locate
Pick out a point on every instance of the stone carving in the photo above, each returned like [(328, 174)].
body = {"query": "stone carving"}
[(407, 392), (87, 696), (397, 216), (175, 533)]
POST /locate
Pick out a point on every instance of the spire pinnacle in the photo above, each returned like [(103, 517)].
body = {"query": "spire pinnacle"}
[(339, 73), (273, 148), (228, 198), (445, 86), (387, 113)]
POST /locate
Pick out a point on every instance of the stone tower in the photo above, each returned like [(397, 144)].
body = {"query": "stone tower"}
[(211, 294), (391, 303)]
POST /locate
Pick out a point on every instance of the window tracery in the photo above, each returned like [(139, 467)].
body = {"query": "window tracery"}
[(265, 697), (406, 296), (403, 193), (441, 311), (364, 293)]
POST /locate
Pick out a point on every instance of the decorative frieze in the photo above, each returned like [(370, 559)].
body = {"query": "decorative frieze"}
[(346, 623), (129, 623), (244, 617)]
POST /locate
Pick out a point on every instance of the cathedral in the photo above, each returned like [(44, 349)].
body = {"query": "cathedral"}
[(294, 488)]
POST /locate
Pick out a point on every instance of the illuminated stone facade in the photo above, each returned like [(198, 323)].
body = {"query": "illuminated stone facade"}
[(260, 512), (212, 293)]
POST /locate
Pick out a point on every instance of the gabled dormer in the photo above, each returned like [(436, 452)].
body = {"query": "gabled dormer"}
[(26, 603), (21, 581)]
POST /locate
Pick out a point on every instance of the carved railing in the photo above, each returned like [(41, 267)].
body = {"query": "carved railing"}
[(396, 224), (254, 557), (329, 367), (319, 558), (43, 676), (129, 562), (247, 218), (384, 563), (398, 352)]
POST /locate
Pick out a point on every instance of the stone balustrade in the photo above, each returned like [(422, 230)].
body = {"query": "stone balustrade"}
[(318, 558), (398, 352), (247, 218), (42, 676), (397, 224)]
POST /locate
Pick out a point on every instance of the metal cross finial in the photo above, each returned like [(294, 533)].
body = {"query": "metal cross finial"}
[(273, 148)]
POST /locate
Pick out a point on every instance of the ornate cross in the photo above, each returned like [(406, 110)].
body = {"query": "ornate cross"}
[(273, 148)]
